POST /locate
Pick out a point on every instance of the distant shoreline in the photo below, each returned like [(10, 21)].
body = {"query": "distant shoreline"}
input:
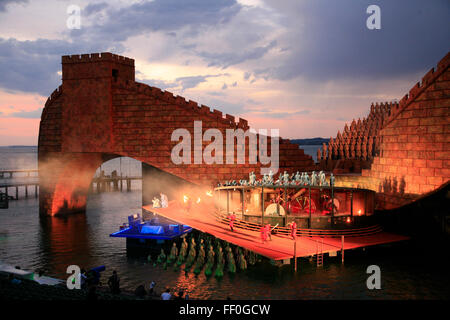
[(305, 142), (18, 146)]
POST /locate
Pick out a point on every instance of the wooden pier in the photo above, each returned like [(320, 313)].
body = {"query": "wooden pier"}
[(112, 183), (28, 181), (9, 174), (4, 187)]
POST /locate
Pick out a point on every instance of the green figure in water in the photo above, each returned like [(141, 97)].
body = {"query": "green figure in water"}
[(209, 262), (191, 255), (251, 258), (242, 262), (220, 263), (183, 251), (200, 260), (161, 257), (230, 260), (149, 258), (173, 254)]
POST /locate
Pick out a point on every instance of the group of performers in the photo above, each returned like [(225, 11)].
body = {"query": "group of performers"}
[(162, 202)]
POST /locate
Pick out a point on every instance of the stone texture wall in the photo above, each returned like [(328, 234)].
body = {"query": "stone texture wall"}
[(354, 149), (100, 112), (414, 156)]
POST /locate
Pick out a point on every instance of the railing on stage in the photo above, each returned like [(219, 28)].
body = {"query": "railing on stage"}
[(311, 207)]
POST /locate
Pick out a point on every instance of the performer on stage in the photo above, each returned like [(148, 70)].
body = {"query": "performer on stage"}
[(293, 230), (164, 200), (231, 217), (268, 231), (263, 234)]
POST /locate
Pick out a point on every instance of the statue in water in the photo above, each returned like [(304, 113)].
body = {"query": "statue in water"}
[(173, 254), (209, 261), (220, 264), (231, 262), (200, 260), (183, 251)]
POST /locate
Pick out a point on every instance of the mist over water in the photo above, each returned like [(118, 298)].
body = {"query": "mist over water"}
[(32, 242)]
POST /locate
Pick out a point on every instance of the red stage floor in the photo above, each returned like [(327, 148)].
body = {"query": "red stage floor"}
[(200, 217)]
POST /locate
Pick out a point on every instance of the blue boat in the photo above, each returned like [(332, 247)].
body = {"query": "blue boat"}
[(157, 228)]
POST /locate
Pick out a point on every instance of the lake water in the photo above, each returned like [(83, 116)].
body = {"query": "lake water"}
[(408, 271)]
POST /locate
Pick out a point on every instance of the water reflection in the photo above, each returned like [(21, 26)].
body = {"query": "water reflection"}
[(54, 243), (64, 241)]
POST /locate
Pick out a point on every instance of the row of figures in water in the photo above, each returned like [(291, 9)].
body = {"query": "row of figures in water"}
[(206, 254), (284, 179)]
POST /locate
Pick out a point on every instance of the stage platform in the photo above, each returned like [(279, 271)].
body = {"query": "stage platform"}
[(201, 217)]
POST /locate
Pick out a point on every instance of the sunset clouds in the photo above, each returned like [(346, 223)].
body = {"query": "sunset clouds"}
[(305, 67)]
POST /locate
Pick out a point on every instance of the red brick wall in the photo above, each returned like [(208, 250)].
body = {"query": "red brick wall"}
[(94, 117), (415, 143)]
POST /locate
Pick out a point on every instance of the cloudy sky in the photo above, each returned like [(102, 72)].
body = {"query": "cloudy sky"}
[(303, 66)]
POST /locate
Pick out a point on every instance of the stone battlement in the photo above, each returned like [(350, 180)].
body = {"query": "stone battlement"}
[(96, 57)]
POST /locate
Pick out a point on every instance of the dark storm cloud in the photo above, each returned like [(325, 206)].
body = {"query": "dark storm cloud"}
[(193, 81), (32, 66), (228, 58), (160, 15), (4, 3), (94, 8), (330, 40)]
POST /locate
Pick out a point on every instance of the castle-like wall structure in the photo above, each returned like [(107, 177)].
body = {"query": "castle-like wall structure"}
[(414, 147), (101, 112), (354, 148)]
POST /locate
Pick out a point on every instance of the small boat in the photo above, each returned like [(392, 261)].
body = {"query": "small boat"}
[(30, 275)]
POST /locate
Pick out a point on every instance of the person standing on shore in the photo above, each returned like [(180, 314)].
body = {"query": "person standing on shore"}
[(114, 283), (166, 295)]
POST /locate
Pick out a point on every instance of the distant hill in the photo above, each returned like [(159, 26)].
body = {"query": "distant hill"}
[(18, 146), (311, 141)]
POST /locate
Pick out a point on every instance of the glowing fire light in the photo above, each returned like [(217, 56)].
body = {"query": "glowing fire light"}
[(209, 193), (185, 198), (198, 200), (359, 212), (349, 220)]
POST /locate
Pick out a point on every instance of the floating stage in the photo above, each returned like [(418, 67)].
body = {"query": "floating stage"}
[(203, 217)]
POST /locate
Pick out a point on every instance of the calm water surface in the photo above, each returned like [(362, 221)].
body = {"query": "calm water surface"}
[(407, 272)]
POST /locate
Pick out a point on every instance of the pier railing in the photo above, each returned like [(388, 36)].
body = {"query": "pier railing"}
[(285, 231)]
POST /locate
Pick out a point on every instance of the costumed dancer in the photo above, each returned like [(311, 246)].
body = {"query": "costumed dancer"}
[(263, 234), (294, 230), (268, 231), (164, 200), (232, 217)]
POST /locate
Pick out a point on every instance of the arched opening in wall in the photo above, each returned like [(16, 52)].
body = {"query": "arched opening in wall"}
[(122, 185), (115, 193)]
